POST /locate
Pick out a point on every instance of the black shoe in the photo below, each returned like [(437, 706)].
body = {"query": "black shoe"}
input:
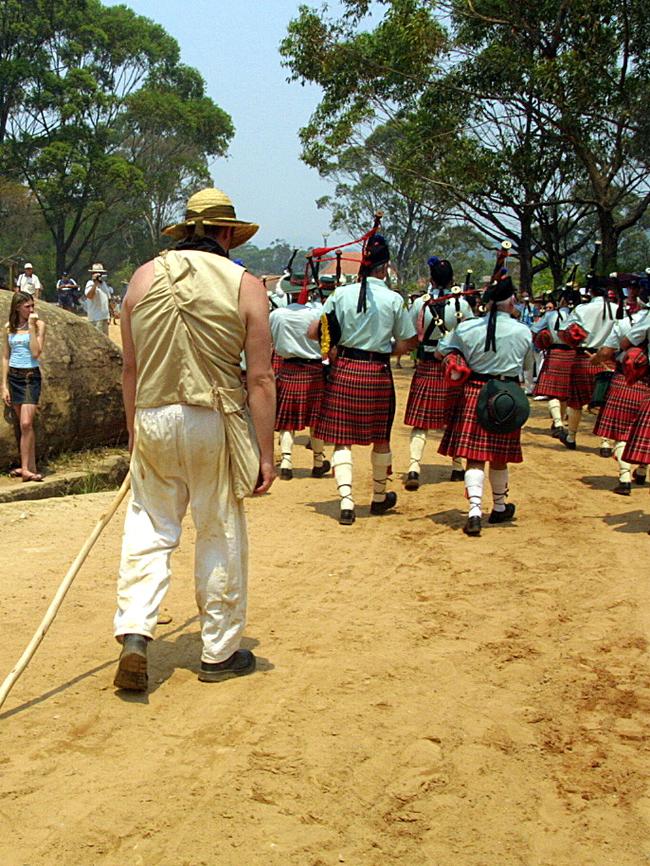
[(240, 663), (412, 481), (623, 488), (131, 671), (382, 507), (502, 516), (605, 452), (347, 517), (286, 474), (320, 471), (557, 431), (473, 526), (563, 439), (457, 474), (638, 478)]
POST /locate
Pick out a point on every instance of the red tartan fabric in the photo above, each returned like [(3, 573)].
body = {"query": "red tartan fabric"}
[(299, 395), (430, 401), (583, 374), (554, 379), (637, 449), (621, 408), (359, 403), (276, 362), (464, 436)]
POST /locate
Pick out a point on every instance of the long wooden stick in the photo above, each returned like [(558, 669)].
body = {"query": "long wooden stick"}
[(65, 585)]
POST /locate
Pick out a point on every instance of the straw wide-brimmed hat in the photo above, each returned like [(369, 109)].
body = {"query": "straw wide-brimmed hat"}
[(97, 268), (212, 207)]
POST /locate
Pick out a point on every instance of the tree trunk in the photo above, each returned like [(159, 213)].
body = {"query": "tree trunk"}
[(609, 238), (524, 250)]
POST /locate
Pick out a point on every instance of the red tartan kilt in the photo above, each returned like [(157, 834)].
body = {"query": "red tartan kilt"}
[(299, 395), (430, 401), (358, 405), (276, 362), (637, 449), (464, 436), (583, 374), (621, 408), (554, 379)]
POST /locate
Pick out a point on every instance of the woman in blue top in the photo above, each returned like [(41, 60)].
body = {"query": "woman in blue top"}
[(21, 376)]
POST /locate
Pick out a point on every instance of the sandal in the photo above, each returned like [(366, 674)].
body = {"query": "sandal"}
[(33, 476), (16, 473)]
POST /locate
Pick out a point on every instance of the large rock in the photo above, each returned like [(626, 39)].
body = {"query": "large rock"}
[(81, 402)]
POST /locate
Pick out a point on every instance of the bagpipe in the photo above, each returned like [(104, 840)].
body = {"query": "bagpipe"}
[(330, 329), (468, 290)]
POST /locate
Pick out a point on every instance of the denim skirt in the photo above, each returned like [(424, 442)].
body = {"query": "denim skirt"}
[(24, 385)]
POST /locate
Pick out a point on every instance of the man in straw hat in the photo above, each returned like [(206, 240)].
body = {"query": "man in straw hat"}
[(359, 403), (97, 292), (186, 318), (493, 350)]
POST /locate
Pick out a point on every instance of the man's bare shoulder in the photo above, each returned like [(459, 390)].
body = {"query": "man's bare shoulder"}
[(139, 284)]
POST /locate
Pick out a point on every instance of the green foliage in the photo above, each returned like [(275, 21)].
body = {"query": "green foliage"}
[(529, 118), (102, 122)]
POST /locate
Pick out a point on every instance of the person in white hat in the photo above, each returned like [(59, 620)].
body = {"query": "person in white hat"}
[(97, 292), (29, 282), (186, 317)]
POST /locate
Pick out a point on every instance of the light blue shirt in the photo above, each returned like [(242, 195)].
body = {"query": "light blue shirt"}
[(449, 317), (20, 354), (549, 320), (385, 316), (590, 317), (637, 332), (513, 341), (289, 331)]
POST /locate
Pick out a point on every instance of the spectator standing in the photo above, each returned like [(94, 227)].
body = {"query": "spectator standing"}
[(28, 282), (22, 347), (66, 292), (97, 293)]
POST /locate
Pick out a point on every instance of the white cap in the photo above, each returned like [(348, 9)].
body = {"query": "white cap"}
[(29, 265)]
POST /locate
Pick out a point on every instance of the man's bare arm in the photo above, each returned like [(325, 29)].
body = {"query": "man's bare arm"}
[(137, 289), (254, 310)]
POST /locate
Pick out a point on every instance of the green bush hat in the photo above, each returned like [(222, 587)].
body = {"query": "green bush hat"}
[(502, 406)]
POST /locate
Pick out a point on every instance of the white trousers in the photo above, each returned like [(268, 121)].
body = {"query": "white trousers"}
[(180, 458)]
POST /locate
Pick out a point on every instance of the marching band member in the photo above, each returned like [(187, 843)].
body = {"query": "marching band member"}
[(554, 379), (299, 383), (359, 403), (430, 398), (493, 350), (624, 400)]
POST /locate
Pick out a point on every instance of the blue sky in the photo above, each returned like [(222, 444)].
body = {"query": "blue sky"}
[(234, 44)]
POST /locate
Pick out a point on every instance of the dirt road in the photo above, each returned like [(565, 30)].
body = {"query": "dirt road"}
[(421, 698)]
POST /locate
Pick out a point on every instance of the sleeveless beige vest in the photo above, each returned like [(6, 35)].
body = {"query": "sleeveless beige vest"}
[(205, 305), (188, 338)]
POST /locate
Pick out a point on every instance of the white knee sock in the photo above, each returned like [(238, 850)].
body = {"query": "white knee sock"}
[(286, 448), (624, 469), (574, 422), (499, 485), (418, 441), (342, 464), (607, 443), (555, 409), (457, 464), (380, 466), (318, 449), (474, 480)]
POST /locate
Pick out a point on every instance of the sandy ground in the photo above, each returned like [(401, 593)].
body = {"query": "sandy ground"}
[(421, 697)]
